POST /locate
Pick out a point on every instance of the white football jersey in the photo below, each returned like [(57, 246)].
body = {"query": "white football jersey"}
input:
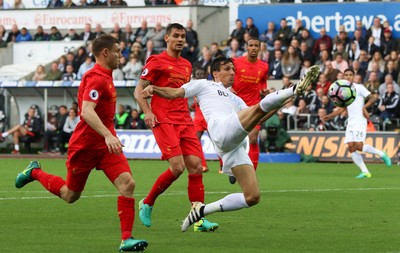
[(214, 99), (357, 120)]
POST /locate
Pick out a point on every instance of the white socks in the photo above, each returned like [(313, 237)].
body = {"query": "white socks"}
[(5, 134), (16, 147), (230, 202), (358, 160), (372, 150), (274, 100)]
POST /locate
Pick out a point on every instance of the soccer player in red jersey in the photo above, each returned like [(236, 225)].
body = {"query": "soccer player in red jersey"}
[(250, 84), (172, 124), (94, 144)]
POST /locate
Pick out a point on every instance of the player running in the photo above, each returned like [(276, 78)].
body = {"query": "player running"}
[(224, 110), (356, 130), (94, 144)]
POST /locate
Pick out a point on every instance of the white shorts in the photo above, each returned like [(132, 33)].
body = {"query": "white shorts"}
[(355, 136), (229, 138)]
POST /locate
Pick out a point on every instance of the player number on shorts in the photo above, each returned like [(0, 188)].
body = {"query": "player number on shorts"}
[(359, 134)]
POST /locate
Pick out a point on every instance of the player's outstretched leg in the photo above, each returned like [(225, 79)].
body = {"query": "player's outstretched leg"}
[(386, 159), (306, 80), (24, 177), (132, 244), (145, 213), (195, 215)]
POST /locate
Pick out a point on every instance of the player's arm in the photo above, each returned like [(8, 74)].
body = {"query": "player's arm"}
[(371, 100), (149, 118), (92, 119), (335, 113), (165, 92)]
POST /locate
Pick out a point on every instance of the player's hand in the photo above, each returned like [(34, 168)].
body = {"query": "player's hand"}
[(114, 145), (365, 113), (147, 92), (324, 118), (150, 119), (265, 92)]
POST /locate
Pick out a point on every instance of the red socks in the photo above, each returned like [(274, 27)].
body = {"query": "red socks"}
[(196, 188), (126, 213), (51, 182), (162, 183), (254, 154)]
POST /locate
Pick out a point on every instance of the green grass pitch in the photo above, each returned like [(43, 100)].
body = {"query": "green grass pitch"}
[(304, 208)]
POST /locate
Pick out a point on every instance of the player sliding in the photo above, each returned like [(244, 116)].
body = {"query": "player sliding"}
[(229, 121), (356, 129)]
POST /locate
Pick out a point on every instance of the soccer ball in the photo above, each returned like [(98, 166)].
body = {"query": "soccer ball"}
[(342, 93)]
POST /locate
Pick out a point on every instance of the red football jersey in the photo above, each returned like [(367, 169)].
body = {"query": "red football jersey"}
[(250, 79), (96, 86), (166, 71)]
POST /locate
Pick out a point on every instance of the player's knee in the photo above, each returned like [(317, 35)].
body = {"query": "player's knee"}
[(178, 169), (71, 199), (253, 198), (127, 187)]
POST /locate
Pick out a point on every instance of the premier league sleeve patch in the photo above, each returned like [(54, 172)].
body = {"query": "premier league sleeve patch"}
[(145, 72), (94, 94)]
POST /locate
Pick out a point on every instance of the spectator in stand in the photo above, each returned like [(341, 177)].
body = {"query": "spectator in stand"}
[(394, 56), (83, 3), (157, 36), (190, 50), (127, 36), (339, 63), (39, 74), (263, 55), (342, 38), (119, 3), (148, 51), (125, 51), (309, 96), (69, 75), (62, 63), (372, 82), (324, 39), (355, 66), (318, 124), (85, 67), (251, 28), (305, 67), (375, 68), (323, 83), (117, 31), (121, 118), (117, 73), (362, 43), (321, 62), (50, 135), (71, 35), (18, 4), (275, 67), (40, 35), (140, 34), (291, 63), (55, 4), (377, 58), (215, 51), (30, 129), (98, 31), (389, 104), (24, 35), (354, 52), (363, 60), (3, 36), (136, 49), (55, 35), (388, 43), (54, 74), (340, 50), (71, 60), (286, 83), (135, 122), (80, 57), (4, 5), (234, 49), (295, 44), (376, 31), (306, 37), (87, 34), (283, 34), (69, 4), (360, 27), (302, 120), (68, 128), (358, 79), (330, 71), (339, 122), (297, 30), (305, 53), (12, 36), (390, 69), (371, 48), (204, 62), (268, 35), (96, 3), (388, 81), (133, 68), (277, 46), (238, 33)]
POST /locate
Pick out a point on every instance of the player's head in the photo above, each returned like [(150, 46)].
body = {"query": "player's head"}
[(349, 75), (253, 47), (106, 50), (175, 37), (223, 70)]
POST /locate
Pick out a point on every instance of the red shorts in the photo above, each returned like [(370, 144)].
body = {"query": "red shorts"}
[(81, 162), (175, 140), (200, 125)]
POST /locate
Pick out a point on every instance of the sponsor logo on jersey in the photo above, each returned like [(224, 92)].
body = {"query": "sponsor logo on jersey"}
[(94, 94)]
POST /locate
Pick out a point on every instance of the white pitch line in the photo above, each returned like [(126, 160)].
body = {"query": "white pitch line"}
[(178, 193)]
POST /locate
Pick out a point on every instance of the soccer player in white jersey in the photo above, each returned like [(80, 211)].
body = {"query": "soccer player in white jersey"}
[(229, 121), (356, 129)]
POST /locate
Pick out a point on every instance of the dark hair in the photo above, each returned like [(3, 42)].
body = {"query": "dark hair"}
[(218, 62), (254, 38), (103, 41), (346, 70), (174, 26)]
